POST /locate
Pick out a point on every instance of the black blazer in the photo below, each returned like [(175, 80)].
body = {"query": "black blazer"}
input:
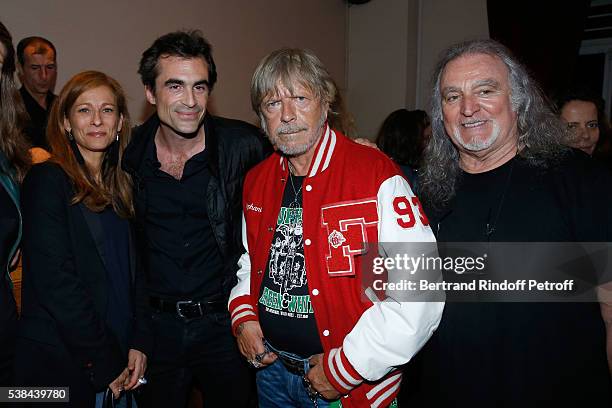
[(64, 289)]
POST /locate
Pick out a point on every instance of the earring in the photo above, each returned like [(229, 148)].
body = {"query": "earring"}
[(70, 137), (117, 138)]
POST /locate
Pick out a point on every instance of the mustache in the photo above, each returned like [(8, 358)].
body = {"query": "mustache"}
[(290, 128)]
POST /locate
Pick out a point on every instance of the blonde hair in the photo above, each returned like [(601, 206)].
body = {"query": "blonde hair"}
[(288, 66)]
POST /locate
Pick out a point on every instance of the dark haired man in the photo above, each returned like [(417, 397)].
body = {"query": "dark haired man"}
[(37, 73), (188, 167)]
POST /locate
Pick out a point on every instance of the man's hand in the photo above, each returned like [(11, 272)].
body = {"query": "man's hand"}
[(366, 142), (250, 343), (319, 381), (117, 385), (137, 365)]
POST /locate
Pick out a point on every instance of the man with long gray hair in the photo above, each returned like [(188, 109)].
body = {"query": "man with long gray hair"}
[(495, 171), (311, 211)]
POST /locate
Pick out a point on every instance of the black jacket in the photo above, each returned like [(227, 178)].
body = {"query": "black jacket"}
[(65, 291), (10, 236), (233, 148)]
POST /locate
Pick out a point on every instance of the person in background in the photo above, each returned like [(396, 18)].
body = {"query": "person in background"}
[(37, 58), (341, 119), (75, 328), (589, 129), (14, 163), (403, 136)]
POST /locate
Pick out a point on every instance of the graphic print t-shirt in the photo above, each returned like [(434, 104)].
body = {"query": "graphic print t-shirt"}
[(285, 312)]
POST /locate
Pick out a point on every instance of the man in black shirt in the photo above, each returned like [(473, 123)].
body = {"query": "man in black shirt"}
[(37, 73), (188, 167), (496, 171)]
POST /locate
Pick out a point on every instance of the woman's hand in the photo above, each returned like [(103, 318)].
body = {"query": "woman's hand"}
[(137, 365), (117, 385)]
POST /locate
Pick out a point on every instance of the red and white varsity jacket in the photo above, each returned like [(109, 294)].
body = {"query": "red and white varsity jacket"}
[(354, 197)]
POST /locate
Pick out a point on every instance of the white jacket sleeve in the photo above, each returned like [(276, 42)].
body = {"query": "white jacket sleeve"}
[(240, 307), (392, 331)]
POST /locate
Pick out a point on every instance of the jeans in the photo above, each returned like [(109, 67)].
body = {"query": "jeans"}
[(279, 388)]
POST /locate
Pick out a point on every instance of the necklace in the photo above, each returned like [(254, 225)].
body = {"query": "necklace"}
[(295, 207), (491, 224), (296, 196), (493, 213)]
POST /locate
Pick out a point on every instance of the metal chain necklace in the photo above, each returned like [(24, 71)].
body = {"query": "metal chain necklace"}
[(295, 207), (492, 223), (296, 202)]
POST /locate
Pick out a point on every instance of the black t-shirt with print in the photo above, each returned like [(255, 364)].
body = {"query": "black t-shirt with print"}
[(285, 312)]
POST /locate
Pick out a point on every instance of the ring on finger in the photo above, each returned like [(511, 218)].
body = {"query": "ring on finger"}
[(255, 363), (259, 357)]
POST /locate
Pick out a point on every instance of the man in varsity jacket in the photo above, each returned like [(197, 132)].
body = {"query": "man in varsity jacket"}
[(311, 211)]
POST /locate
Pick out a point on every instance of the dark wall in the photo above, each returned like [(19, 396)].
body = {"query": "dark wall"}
[(545, 35)]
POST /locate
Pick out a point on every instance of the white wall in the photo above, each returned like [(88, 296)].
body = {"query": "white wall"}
[(388, 47), (443, 23), (111, 35), (393, 46), (380, 72)]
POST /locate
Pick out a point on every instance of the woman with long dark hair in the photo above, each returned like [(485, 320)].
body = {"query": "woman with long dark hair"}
[(77, 269), (403, 136), (14, 163), (583, 112)]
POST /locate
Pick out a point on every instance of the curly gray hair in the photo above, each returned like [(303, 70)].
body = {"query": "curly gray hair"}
[(540, 133)]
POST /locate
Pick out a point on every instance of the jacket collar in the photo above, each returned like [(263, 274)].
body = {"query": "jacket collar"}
[(134, 154), (97, 233), (95, 227), (143, 135), (323, 153)]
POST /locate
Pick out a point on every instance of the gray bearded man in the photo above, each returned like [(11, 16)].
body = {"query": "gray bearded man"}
[(496, 171), (311, 211)]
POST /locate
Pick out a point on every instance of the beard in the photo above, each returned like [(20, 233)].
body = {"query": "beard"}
[(479, 144), (287, 131)]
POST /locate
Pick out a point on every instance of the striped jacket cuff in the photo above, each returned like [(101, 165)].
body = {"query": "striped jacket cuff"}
[(340, 372), (241, 311)]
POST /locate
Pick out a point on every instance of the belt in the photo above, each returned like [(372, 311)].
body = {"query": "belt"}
[(293, 363), (188, 309), (294, 366)]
